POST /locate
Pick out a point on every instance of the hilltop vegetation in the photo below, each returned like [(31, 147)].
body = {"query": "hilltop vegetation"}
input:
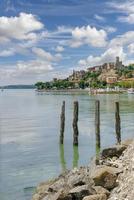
[(92, 79)]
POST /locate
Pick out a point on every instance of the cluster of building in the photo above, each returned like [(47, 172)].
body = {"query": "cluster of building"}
[(107, 66), (105, 69), (77, 76)]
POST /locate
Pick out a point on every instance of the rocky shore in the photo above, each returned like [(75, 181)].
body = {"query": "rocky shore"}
[(110, 178)]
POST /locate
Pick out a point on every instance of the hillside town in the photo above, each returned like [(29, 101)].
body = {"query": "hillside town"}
[(108, 74)]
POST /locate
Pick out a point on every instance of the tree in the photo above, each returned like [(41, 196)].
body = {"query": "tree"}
[(82, 84), (39, 85)]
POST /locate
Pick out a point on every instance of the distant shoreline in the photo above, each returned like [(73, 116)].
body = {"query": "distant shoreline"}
[(64, 90), (17, 87), (82, 91)]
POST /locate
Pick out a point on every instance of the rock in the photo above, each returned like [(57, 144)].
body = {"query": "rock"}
[(79, 178), (51, 196), (125, 188), (101, 190), (60, 195), (105, 176), (93, 182), (42, 190), (55, 187), (76, 180), (96, 197), (68, 197), (36, 197), (113, 151), (80, 192)]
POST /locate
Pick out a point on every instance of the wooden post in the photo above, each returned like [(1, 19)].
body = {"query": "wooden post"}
[(97, 124), (75, 123), (62, 125), (117, 122)]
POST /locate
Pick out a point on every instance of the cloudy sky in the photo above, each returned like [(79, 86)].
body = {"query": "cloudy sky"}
[(43, 39)]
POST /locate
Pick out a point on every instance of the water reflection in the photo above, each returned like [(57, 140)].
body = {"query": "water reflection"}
[(28, 192), (62, 157), (75, 156)]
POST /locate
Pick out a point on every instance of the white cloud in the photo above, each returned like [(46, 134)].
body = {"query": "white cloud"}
[(127, 8), (42, 64), (124, 6), (116, 47), (64, 29), (99, 18), (59, 49), (5, 53), (108, 56), (42, 54), (110, 29), (9, 6), (22, 27), (33, 67), (129, 18), (47, 56), (131, 48), (24, 72), (88, 35), (129, 61), (57, 57), (78, 36), (122, 40)]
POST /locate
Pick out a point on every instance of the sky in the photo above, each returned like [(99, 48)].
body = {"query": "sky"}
[(43, 39)]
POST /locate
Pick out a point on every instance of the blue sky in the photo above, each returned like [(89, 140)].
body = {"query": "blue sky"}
[(43, 39)]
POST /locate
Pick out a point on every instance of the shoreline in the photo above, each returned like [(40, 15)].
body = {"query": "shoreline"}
[(64, 90), (82, 91), (94, 182)]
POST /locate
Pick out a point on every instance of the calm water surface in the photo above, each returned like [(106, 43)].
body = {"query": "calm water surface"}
[(29, 136)]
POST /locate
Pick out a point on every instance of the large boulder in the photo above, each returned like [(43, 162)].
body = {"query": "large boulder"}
[(96, 197), (105, 176)]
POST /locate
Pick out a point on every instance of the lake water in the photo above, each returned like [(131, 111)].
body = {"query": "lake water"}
[(29, 136)]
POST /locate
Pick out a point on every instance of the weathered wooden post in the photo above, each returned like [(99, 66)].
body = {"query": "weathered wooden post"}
[(97, 124), (62, 125), (117, 122), (75, 123), (97, 130)]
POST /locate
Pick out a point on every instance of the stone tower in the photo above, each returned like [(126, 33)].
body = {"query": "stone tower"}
[(118, 63)]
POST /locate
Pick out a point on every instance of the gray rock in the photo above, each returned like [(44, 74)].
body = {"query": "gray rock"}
[(79, 178), (76, 180), (96, 197), (57, 185)]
